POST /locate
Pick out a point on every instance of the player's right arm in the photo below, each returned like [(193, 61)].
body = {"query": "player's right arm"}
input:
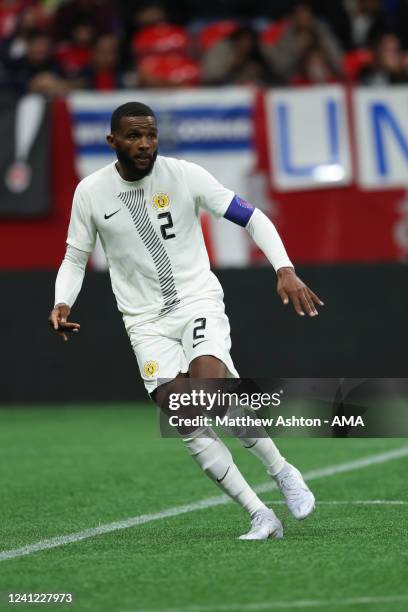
[(80, 243), (67, 287)]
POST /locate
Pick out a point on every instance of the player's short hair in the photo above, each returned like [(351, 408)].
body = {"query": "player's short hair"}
[(130, 109)]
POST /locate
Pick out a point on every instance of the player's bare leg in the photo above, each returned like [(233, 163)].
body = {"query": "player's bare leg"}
[(207, 366)]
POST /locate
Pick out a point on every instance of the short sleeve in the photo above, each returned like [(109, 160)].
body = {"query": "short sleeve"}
[(82, 230), (207, 192)]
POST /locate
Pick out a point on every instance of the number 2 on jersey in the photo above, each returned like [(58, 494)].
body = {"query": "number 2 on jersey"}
[(166, 226)]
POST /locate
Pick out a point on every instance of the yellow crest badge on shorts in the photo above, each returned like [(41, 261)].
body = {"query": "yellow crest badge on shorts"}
[(150, 368), (161, 201)]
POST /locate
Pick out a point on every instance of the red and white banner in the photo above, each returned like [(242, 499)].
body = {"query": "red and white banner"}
[(361, 214), (329, 165)]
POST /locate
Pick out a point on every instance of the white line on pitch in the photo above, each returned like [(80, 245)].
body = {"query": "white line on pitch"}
[(281, 605), (209, 502)]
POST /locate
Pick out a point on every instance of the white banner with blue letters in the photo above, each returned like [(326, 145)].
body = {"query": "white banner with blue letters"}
[(308, 137)]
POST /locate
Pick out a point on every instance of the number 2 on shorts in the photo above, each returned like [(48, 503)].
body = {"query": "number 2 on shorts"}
[(199, 325)]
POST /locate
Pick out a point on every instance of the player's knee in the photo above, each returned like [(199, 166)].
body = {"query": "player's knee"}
[(186, 414), (207, 366)]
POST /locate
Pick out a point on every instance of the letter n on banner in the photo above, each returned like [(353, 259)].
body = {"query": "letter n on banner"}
[(308, 138), (382, 137)]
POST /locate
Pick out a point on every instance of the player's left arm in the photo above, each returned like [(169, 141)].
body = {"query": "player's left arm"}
[(290, 287), (221, 202)]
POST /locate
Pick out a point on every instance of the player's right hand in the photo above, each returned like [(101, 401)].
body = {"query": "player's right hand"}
[(58, 321)]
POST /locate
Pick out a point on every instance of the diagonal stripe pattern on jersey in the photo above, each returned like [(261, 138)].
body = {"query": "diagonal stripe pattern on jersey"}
[(136, 204)]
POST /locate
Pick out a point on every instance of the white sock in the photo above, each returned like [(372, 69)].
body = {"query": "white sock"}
[(266, 451), (216, 460)]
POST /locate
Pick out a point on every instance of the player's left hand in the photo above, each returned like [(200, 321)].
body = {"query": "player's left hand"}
[(58, 321), (291, 287)]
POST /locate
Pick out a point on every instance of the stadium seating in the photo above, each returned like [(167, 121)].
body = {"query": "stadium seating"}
[(355, 61), (271, 34), (159, 39), (213, 33), (71, 58), (169, 70)]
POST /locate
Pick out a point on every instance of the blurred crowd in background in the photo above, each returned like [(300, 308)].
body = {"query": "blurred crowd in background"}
[(56, 46)]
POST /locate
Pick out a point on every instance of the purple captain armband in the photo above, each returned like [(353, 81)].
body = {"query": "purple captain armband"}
[(239, 211)]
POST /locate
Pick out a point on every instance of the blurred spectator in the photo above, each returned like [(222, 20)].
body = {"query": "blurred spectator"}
[(9, 14), (149, 14), (103, 72), (184, 11), (236, 59), (314, 69), (357, 23), (302, 33), (297, 49), (101, 13), (389, 64), (74, 55), (31, 18), (137, 16), (37, 70)]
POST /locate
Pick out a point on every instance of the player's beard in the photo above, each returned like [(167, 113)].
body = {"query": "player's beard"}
[(131, 169)]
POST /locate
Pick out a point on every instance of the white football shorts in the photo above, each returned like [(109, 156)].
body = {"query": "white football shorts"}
[(167, 345)]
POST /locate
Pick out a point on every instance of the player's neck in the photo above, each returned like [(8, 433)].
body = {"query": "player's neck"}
[(129, 174)]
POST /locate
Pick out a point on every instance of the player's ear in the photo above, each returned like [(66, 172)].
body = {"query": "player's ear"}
[(110, 139)]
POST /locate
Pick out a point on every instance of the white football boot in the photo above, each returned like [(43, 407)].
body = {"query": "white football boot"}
[(264, 524), (299, 498)]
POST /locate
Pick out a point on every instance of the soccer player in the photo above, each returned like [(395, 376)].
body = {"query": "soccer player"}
[(145, 209)]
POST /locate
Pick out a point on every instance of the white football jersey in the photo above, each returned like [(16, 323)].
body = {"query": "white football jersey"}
[(151, 233)]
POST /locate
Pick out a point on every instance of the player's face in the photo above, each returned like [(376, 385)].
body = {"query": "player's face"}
[(135, 144)]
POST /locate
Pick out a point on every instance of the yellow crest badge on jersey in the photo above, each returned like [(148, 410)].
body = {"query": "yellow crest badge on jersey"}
[(150, 368), (161, 201)]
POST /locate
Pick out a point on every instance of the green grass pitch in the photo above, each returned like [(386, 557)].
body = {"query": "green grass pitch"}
[(67, 469)]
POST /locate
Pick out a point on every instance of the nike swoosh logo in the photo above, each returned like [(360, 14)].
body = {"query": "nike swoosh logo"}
[(221, 479), (111, 215), (197, 343)]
